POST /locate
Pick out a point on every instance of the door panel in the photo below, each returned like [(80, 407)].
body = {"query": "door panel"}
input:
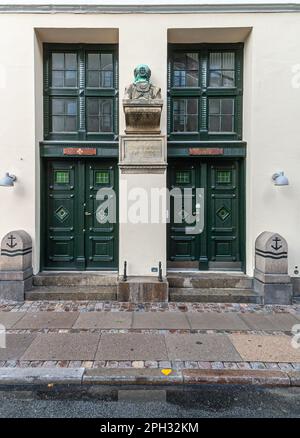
[(61, 207), (101, 238), (182, 247), (74, 238), (218, 246), (223, 214)]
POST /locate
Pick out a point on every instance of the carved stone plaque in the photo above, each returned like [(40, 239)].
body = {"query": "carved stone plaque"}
[(142, 151)]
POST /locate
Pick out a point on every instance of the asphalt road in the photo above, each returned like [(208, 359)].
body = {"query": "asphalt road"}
[(207, 401)]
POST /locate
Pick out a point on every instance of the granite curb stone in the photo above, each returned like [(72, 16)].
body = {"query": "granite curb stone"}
[(23, 376), (151, 377)]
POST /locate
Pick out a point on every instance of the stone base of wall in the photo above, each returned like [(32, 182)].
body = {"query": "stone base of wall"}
[(274, 293), (143, 290)]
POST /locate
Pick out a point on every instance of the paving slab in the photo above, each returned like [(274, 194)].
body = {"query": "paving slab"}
[(104, 320), (39, 375), (160, 320), (63, 346), (201, 348), (16, 345), (9, 319), (270, 322), (50, 320), (216, 321), (131, 346), (263, 348)]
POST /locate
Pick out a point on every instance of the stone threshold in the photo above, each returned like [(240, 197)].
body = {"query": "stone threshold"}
[(51, 377)]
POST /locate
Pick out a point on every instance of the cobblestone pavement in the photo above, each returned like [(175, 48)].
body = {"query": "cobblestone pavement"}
[(233, 332), (114, 306)]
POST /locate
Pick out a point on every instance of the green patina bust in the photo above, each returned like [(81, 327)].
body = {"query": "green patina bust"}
[(142, 88)]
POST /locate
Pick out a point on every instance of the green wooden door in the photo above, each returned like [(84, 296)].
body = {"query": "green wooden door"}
[(73, 238), (220, 245)]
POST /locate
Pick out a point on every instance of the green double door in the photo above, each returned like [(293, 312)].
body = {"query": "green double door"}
[(73, 236), (221, 243)]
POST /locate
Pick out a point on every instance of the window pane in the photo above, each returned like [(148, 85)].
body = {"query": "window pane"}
[(214, 106), (192, 106), (215, 79), (228, 78), (223, 176), (93, 79), (227, 106), (58, 123), (179, 61), (214, 124), (70, 78), (106, 61), (192, 123), (70, 123), (62, 177), (183, 177), (71, 107), (215, 60), (70, 61), (57, 78), (226, 123), (58, 61), (92, 106), (186, 70), (106, 124), (185, 115), (93, 124), (191, 79), (106, 107), (107, 79), (221, 115), (58, 106), (192, 61), (94, 61), (179, 78), (178, 123), (221, 69), (228, 60), (102, 177)]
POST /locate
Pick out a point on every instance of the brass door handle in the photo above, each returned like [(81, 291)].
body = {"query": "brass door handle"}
[(87, 213)]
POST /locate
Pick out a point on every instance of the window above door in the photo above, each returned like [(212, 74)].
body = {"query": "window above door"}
[(205, 89), (80, 92)]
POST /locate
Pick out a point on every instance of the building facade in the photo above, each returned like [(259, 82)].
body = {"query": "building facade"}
[(230, 82)]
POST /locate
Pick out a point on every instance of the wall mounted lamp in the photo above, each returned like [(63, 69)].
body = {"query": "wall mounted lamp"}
[(280, 179), (8, 180)]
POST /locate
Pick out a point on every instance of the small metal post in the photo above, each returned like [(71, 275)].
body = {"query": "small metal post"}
[(160, 278), (125, 272)]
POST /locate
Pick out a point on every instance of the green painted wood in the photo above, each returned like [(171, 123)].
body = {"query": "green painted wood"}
[(223, 238), (80, 92), (203, 92), (72, 237)]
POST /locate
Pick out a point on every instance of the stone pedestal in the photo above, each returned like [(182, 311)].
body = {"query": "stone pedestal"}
[(142, 117), (143, 290), (142, 178), (15, 265), (271, 279)]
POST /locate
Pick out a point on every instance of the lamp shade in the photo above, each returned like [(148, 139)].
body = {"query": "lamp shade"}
[(280, 179), (7, 180)]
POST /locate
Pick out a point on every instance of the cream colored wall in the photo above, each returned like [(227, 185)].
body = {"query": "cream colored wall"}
[(142, 245), (271, 107)]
